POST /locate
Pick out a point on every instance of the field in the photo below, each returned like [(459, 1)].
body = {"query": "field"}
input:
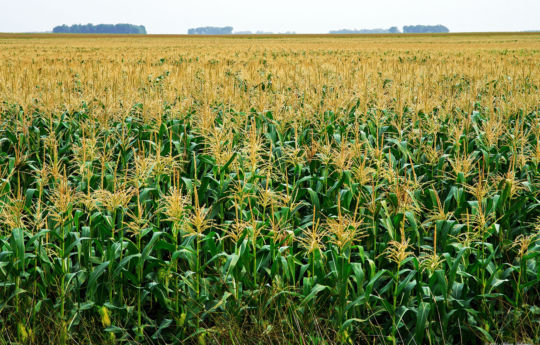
[(271, 190)]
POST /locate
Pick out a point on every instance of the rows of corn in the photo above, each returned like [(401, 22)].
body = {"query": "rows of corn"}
[(311, 190)]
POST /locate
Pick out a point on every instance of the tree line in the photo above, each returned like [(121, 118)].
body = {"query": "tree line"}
[(227, 30), (392, 30), (424, 29), (100, 29), (211, 30), (408, 29)]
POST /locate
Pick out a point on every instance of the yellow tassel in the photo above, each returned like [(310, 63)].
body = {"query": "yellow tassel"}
[(105, 319)]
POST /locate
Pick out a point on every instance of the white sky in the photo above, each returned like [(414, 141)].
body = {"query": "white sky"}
[(301, 16)]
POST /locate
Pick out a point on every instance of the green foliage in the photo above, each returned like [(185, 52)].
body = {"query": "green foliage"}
[(132, 231)]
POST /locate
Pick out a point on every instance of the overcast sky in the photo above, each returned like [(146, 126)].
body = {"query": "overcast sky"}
[(301, 16)]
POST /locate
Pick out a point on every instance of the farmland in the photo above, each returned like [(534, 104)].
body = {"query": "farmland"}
[(276, 189)]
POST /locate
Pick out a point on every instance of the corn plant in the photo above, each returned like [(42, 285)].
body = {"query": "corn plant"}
[(297, 190)]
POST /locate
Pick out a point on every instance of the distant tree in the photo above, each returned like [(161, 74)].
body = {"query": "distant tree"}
[(60, 29), (392, 30), (211, 30), (101, 29), (395, 30), (425, 29)]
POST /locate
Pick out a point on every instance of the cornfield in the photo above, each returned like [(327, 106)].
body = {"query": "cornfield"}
[(284, 189)]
